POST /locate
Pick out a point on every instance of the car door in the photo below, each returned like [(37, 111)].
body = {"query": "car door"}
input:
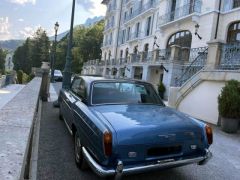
[(86, 122), (70, 99)]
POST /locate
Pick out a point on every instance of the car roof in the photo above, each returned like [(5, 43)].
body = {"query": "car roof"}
[(90, 79)]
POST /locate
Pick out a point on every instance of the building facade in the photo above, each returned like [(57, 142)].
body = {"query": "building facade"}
[(166, 40)]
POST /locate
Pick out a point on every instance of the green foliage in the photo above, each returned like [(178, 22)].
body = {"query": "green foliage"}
[(20, 76), (86, 46), (229, 100), (161, 88), (33, 52), (2, 61)]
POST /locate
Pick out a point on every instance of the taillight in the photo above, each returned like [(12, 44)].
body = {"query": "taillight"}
[(107, 141), (209, 133)]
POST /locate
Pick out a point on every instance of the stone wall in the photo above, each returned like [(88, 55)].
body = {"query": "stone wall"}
[(16, 125)]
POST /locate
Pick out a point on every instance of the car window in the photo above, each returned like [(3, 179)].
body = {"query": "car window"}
[(124, 93), (76, 85), (78, 88)]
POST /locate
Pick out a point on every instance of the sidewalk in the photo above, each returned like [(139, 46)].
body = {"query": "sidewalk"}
[(8, 93)]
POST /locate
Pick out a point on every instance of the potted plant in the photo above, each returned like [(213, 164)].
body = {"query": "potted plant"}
[(229, 106), (161, 90)]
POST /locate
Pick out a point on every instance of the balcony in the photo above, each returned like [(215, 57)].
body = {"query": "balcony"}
[(181, 12), (106, 43), (109, 26), (111, 7), (135, 36), (151, 4)]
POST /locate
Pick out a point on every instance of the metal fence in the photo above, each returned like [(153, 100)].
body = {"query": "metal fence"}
[(180, 12), (195, 66), (230, 56)]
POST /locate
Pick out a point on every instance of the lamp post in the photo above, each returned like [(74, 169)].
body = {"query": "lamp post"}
[(56, 27), (67, 70), (197, 26)]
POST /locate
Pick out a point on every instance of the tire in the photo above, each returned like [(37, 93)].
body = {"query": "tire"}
[(79, 159)]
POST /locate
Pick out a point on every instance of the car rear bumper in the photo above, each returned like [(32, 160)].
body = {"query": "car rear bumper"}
[(121, 170)]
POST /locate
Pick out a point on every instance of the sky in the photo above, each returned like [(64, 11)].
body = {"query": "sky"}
[(19, 19)]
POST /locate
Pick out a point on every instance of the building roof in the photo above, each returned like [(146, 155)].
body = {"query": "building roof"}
[(105, 2)]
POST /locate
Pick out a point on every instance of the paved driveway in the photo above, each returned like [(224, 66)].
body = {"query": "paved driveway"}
[(56, 160)]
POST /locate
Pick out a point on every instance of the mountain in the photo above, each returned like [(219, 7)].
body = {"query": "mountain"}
[(59, 37), (88, 22), (11, 45), (92, 21)]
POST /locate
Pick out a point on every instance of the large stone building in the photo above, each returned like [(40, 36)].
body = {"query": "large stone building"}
[(171, 41)]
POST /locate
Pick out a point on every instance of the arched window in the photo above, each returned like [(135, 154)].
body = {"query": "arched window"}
[(181, 38), (234, 32)]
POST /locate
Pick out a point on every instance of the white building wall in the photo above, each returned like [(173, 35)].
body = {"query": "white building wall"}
[(202, 102)]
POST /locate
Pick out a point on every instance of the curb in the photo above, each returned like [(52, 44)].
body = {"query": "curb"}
[(34, 157)]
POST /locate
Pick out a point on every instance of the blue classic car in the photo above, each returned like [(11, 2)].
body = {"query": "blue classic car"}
[(122, 127)]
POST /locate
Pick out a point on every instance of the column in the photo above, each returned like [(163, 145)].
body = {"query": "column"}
[(214, 54), (175, 51)]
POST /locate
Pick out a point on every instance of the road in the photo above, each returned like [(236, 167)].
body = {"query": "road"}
[(56, 158)]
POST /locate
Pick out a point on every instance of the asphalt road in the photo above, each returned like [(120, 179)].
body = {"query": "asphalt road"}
[(56, 156)]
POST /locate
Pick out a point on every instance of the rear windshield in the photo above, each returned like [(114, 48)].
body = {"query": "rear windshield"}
[(124, 93)]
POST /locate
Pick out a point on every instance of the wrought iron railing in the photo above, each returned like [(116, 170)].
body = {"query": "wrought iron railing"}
[(135, 58), (230, 56), (145, 7), (180, 12), (163, 55), (109, 25), (195, 66)]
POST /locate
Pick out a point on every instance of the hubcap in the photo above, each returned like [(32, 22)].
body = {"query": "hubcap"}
[(77, 148)]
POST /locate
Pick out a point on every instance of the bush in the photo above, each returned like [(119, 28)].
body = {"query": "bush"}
[(161, 88), (20, 76), (229, 100), (25, 78)]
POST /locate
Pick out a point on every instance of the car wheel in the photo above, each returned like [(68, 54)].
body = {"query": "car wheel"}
[(79, 159)]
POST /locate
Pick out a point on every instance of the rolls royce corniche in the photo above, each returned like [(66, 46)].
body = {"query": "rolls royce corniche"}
[(122, 126)]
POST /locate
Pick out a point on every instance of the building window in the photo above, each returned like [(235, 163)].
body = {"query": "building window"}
[(128, 33), (110, 41), (234, 32), (148, 26), (121, 54), (236, 3), (182, 39), (137, 29)]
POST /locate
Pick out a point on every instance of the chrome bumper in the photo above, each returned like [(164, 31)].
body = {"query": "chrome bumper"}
[(120, 170)]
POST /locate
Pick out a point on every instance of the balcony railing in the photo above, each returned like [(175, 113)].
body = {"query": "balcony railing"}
[(109, 25), (180, 12), (230, 56), (145, 7), (111, 8)]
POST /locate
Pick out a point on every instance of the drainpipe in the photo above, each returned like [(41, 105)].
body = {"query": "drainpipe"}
[(118, 28), (218, 18)]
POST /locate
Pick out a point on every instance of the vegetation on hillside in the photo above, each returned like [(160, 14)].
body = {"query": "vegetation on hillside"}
[(33, 52), (86, 45), (2, 61)]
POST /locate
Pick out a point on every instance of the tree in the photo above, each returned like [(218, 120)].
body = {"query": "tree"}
[(2, 61), (86, 46), (33, 52), (40, 48)]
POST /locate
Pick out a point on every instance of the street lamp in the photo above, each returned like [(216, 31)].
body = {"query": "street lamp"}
[(197, 26), (67, 70), (155, 42), (56, 27)]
